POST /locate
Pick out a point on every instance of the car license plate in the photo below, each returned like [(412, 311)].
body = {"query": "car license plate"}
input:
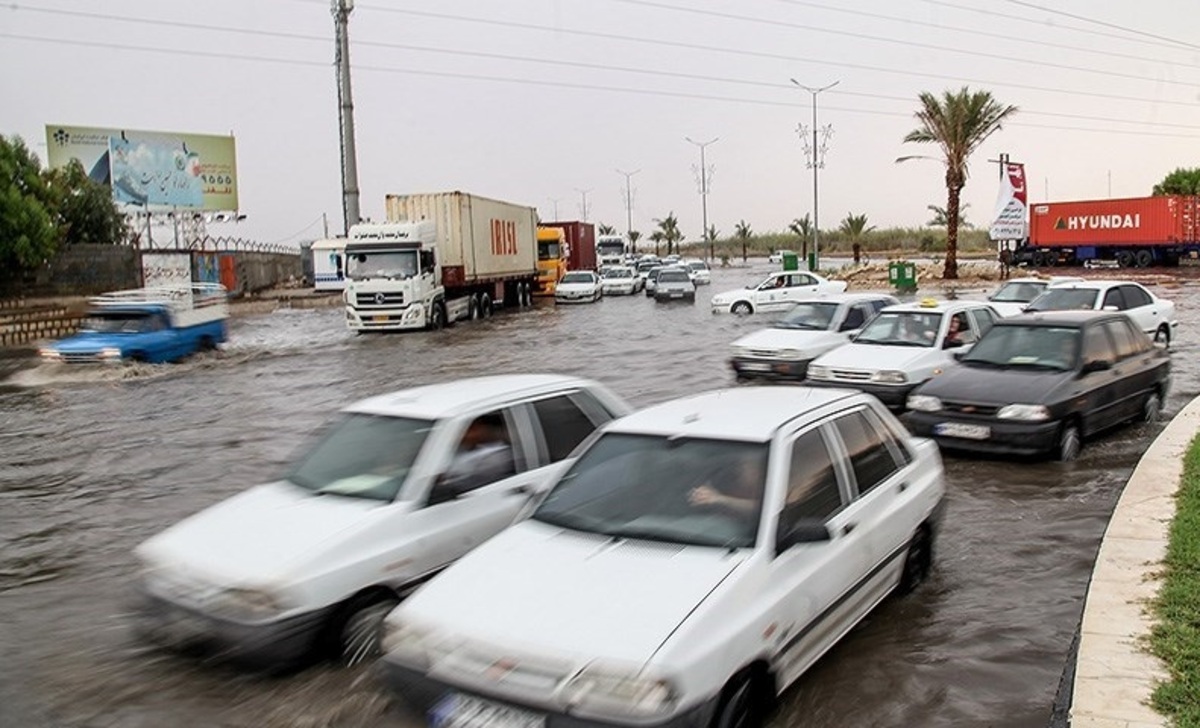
[(756, 366), (379, 319), (674, 294), (466, 711), (958, 429)]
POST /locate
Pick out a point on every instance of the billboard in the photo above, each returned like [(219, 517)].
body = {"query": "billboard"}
[(1008, 222), (150, 169)]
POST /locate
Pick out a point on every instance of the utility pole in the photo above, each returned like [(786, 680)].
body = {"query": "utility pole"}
[(816, 160), (705, 177), (554, 201), (341, 10), (628, 203), (583, 206)]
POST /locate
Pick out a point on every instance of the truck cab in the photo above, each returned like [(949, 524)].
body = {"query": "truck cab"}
[(552, 259), (610, 250), (394, 277)]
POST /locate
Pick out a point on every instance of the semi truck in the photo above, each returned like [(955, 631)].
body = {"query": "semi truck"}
[(610, 249), (552, 259), (440, 257), (1132, 232), (581, 243)]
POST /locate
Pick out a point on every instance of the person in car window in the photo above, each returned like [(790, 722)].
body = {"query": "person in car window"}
[(484, 455), (737, 489), (957, 334)]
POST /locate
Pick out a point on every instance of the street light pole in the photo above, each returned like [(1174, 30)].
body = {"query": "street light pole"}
[(583, 207), (816, 163), (628, 205), (704, 192)]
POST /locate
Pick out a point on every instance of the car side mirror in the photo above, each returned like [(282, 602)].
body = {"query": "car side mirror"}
[(1096, 365), (952, 344), (803, 531), (958, 355)]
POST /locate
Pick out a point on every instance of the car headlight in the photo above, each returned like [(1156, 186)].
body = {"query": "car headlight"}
[(888, 376), (110, 352), (924, 403), (50, 354), (1024, 412), (407, 642), (414, 311), (720, 300), (790, 354), (245, 605), (818, 372), (609, 693)]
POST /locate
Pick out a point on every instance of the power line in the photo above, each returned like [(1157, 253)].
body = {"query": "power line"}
[(1105, 24), (895, 41), (224, 55)]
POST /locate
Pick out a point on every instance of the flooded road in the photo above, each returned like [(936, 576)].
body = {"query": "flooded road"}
[(91, 463)]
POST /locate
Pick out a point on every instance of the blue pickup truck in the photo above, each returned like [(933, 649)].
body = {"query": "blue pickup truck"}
[(151, 325)]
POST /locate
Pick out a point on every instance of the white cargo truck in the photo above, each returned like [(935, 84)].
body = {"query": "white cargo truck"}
[(439, 258), (328, 264)]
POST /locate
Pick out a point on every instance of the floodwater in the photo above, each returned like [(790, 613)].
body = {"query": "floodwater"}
[(93, 462)]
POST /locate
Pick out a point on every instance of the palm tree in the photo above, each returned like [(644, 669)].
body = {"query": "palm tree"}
[(634, 236), (802, 226), (742, 232), (656, 237), (603, 229), (669, 227), (939, 216), (853, 227), (958, 123)]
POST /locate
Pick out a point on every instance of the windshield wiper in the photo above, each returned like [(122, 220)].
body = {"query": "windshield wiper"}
[(642, 534), (570, 521), (985, 363)]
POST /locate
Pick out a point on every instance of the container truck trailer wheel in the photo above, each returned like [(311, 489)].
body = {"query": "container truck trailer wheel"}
[(1125, 259), (1143, 258), (485, 305), (473, 307)]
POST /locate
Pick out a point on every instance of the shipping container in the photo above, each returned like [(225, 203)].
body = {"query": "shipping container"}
[(480, 239), (581, 243)]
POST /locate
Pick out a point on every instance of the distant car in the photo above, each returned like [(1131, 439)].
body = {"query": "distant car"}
[(778, 292), (620, 281), (1154, 315), (399, 486), (578, 286), (674, 284), (652, 279), (1040, 383), (701, 275), (1015, 294), (641, 593), (902, 347), (777, 256), (814, 326)]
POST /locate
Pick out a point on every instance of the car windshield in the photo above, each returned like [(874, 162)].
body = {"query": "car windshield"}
[(362, 456), (1018, 292), (902, 328), (392, 264), (577, 278), (659, 489), (1064, 299), (121, 322), (673, 276), (549, 251), (698, 265), (619, 273), (808, 315), (1035, 347)]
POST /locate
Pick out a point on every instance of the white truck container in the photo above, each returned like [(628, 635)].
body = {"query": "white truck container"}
[(439, 258), (329, 264)]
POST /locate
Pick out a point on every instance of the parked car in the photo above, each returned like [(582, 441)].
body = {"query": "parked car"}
[(776, 293), (652, 278), (620, 281), (579, 286), (777, 256), (902, 347), (701, 275), (665, 581), (815, 325), (399, 486), (1154, 315), (674, 284), (1040, 383), (1015, 294)]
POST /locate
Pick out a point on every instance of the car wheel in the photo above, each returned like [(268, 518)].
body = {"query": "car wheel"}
[(1069, 443), (357, 628), (485, 305), (473, 307), (1125, 259), (917, 562), (1163, 336), (1143, 259), (437, 317), (1151, 408), (741, 308), (741, 704)]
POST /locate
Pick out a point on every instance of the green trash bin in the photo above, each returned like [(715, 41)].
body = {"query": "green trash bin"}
[(902, 275), (812, 261), (790, 261)]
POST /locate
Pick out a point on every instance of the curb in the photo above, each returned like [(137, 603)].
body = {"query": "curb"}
[(1114, 675)]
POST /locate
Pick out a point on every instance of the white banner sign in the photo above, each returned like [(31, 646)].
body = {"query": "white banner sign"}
[(1009, 223)]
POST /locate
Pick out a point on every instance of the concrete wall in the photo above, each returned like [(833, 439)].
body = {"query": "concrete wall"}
[(22, 322), (79, 270)]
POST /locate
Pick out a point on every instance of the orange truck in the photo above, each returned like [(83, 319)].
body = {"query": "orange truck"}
[(551, 259)]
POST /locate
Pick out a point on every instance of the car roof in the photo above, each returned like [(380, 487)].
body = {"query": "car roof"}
[(1074, 318), (448, 399), (843, 297), (936, 306), (1098, 283), (1049, 280), (743, 413)]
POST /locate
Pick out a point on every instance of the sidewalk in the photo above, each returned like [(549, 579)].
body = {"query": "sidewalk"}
[(1114, 676)]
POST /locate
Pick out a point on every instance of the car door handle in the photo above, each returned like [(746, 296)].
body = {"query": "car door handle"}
[(903, 487), (520, 490), (846, 529)]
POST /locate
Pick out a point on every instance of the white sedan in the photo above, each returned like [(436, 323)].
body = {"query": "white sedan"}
[(1154, 315), (1015, 294), (778, 292), (579, 286), (695, 560), (620, 280), (399, 486)]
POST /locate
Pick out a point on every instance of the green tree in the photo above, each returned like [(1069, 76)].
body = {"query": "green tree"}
[(28, 235), (802, 227), (669, 227), (85, 211), (854, 227), (1180, 182), (939, 216), (958, 123), (742, 232), (656, 237), (634, 236), (603, 229)]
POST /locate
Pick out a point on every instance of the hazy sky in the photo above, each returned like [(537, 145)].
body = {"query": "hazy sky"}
[(531, 101)]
